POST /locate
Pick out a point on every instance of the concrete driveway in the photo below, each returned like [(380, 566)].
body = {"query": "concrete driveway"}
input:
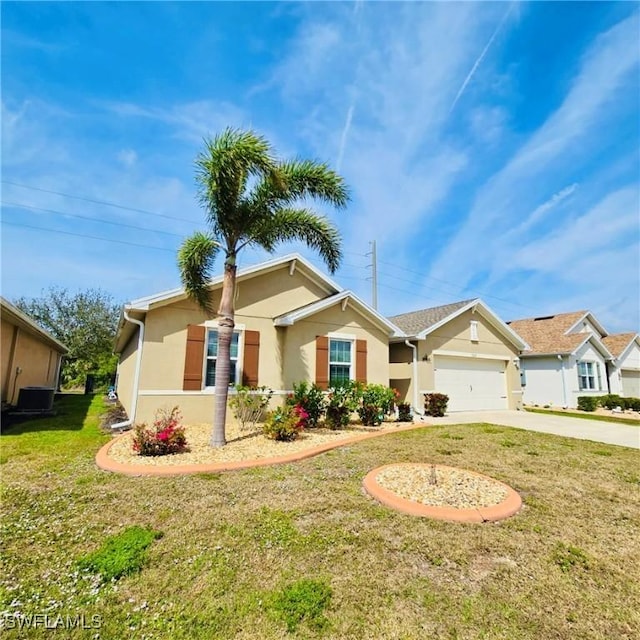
[(596, 430)]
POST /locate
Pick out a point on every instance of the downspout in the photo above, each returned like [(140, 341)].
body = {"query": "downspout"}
[(414, 375), (136, 375), (564, 384)]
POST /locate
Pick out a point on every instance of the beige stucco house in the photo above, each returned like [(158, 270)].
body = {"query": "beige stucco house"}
[(30, 356), (463, 350), (293, 324)]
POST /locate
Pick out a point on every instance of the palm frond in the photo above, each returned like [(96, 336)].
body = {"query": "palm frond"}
[(223, 169), (195, 262), (309, 178), (317, 232)]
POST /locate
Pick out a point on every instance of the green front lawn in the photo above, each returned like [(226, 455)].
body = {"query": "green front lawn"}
[(586, 415), (299, 551)]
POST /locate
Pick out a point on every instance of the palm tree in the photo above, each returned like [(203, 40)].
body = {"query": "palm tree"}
[(252, 199)]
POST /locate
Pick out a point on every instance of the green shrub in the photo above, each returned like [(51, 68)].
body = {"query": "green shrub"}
[(632, 403), (120, 555), (435, 404), (166, 437), (248, 405), (285, 423), (311, 399), (342, 401), (376, 401), (404, 412), (611, 401), (302, 601), (587, 403)]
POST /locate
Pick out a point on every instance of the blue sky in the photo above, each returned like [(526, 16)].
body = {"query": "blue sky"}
[(492, 149)]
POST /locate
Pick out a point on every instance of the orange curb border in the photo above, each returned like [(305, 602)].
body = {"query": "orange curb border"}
[(508, 507), (109, 464)]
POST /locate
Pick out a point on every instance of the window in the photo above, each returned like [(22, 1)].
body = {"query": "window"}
[(212, 355), (589, 376), (473, 330), (340, 361)]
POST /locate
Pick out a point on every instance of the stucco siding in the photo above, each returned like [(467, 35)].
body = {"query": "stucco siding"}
[(126, 371), (286, 354), (631, 358), (454, 338), (299, 353), (37, 362), (7, 332)]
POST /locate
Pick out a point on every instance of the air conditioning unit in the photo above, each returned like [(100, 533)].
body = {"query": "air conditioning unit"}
[(35, 399)]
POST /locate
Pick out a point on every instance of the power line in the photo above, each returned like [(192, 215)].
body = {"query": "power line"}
[(82, 235), (453, 284), (75, 215), (103, 202)]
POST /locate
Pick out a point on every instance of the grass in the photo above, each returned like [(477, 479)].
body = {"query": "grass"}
[(299, 551), (121, 554), (585, 415)]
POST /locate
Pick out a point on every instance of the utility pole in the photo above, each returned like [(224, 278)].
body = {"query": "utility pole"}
[(374, 274)]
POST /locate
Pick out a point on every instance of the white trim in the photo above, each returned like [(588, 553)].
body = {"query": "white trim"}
[(624, 352), (345, 296), (473, 329), (591, 318), (474, 356), (239, 360), (342, 336), (173, 295), (214, 324), (520, 391), (478, 305)]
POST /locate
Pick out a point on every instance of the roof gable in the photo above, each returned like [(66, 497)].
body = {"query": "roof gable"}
[(347, 298), (415, 322), (618, 343), (420, 324), (551, 335), (294, 260)]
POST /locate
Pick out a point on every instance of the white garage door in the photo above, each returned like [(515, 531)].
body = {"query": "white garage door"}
[(630, 383), (472, 384)]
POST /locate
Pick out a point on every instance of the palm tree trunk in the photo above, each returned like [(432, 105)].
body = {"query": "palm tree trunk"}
[(223, 361)]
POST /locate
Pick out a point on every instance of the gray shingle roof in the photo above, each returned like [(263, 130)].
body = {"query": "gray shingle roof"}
[(416, 321)]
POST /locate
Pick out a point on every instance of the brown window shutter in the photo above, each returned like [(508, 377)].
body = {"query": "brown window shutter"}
[(361, 360), (194, 358), (251, 358), (322, 362)]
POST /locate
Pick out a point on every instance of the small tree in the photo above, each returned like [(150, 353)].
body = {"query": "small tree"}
[(85, 322), (252, 199)]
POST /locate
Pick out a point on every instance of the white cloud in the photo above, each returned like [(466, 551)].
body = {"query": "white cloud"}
[(549, 153), (127, 157)]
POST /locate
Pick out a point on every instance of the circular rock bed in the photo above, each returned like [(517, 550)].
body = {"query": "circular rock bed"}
[(441, 492)]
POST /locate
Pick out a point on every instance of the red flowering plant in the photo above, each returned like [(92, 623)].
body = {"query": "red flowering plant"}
[(165, 437), (285, 423)]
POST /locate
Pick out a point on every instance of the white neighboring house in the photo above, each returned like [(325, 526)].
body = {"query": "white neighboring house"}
[(624, 379), (567, 358)]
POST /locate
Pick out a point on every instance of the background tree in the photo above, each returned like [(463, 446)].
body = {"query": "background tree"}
[(86, 323), (251, 198)]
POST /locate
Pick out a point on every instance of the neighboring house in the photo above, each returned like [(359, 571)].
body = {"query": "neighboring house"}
[(31, 356), (293, 324), (567, 358), (462, 349), (624, 379)]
